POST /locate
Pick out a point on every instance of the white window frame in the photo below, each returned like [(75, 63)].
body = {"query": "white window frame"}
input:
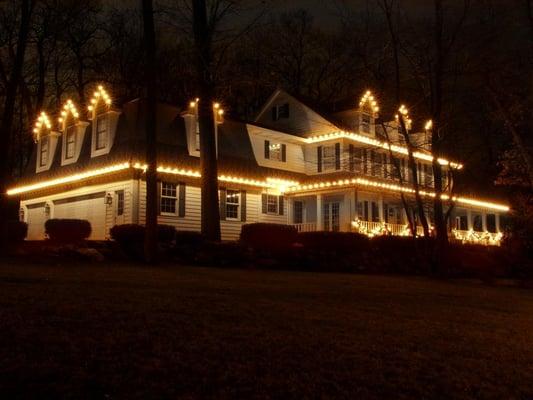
[(70, 132), (328, 160), (164, 194), (233, 194), (120, 203), (101, 119)]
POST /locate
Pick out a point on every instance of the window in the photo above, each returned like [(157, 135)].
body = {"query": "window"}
[(365, 123), (280, 111), (43, 157), (328, 158), (120, 203), (101, 132), (233, 198), (272, 204), (70, 144), (197, 136), (169, 198)]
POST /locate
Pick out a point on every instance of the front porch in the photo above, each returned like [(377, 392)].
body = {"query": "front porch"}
[(375, 214)]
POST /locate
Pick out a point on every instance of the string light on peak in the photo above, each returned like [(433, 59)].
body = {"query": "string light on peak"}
[(42, 122), (429, 125), (68, 108), (369, 100), (100, 94), (404, 112)]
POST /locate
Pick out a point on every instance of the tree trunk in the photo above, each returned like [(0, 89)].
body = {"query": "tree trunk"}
[(150, 239), (7, 118), (208, 157)]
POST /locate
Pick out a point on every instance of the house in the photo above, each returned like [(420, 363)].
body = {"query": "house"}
[(291, 165)]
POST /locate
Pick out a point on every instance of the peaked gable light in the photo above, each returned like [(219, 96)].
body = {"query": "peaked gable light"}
[(43, 122)]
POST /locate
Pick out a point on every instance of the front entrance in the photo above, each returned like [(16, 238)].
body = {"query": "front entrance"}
[(332, 216)]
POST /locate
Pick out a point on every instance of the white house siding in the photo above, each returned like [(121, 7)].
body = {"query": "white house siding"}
[(84, 203), (230, 230), (295, 161)]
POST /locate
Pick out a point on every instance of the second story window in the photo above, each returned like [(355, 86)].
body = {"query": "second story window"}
[(43, 154), (101, 132), (328, 158), (280, 111), (70, 139), (275, 151)]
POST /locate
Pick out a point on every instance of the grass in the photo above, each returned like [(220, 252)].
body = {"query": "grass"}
[(77, 331)]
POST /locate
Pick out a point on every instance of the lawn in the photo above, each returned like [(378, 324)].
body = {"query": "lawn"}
[(118, 331)]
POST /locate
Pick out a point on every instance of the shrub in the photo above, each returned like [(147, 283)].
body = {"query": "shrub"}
[(263, 236), (128, 233), (339, 242), (189, 239), (17, 231), (67, 230), (166, 233)]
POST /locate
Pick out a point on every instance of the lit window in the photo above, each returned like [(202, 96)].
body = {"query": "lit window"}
[(272, 204), (43, 157), (232, 204), (169, 198), (120, 203), (101, 132), (275, 151), (328, 158), (70, 142)]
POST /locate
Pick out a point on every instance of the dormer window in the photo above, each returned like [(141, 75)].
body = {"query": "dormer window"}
[(104, 123), (365, 123), (280, 111), (275, 151), (70, 142), (192, 126), (101, 132), (44, 144)]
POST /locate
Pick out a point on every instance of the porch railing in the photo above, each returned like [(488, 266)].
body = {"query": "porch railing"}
[(306, 227)]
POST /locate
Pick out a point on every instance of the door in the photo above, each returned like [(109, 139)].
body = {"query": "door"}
[(298, 212), (36, 219), (90, 207), (332, 216), (119, 207)]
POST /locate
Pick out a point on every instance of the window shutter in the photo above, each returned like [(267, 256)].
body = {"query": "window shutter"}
[(243, 205), (351, 155), (337, 156), (286, 110), (222, 203), (264, 203), (158, 198), (181, 199), (283, 152), (281, 204), (267, 149), (319, 158)]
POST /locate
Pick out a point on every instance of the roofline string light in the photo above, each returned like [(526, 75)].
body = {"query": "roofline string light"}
[(42, 122), (282, 185)]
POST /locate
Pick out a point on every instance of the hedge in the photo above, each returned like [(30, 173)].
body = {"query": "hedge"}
[(17, 231), (340, 242), (263, 236), (134, 233), (67, 230)]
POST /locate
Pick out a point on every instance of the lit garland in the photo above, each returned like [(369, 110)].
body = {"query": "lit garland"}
[(99, 95), (485, 238), (369, 101), (394, 188), (42, 122), (68, 109), (372, 229), (377, 143)]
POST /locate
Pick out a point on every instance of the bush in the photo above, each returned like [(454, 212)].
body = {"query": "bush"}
[(67, 230), (263, 236), (17, 231), (166, 233), (339, 242), (189, 239), (128, 233)]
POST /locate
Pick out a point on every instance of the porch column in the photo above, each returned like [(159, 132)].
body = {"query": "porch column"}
[(380, 208), (497, 221), (483, 221), (469, 224), (319, 213)]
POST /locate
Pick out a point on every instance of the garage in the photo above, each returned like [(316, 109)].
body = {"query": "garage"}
[(91, 207), (35, 219)]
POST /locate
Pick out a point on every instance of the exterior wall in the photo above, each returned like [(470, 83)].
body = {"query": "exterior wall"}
[(230, 230), (77, 201)]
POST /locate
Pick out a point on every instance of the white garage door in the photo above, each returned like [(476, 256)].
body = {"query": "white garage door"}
[(35, 220), (90, 207)]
